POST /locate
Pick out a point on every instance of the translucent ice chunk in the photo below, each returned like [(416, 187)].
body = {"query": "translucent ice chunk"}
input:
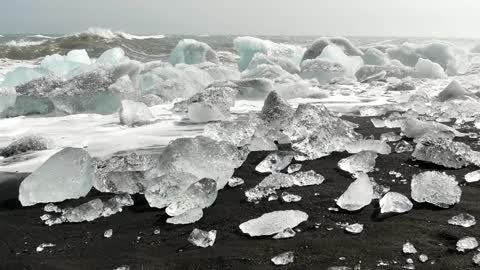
[(190, 51), (403, 146), (134, 113), (354, 228), (394, 202), (287, 233), (26, 144), (409, 248), (8, 96), (452, 91), (319, 45), (324, 71), (463, 219), (42, 246), (436, 188), (114, 56), (373, 56), (294, 168), (165, 189), (235, 182), (362, 162), (201, 238), (289, 197), (467, 243), (273, 222), (473, 176), (275, 162), (335, 54), (191, 216), (201, 194), (21, 75), (376, 146), (212, 104), (358, 195), (66, 175), (284, 258), (275, 109), (108, 233), (285, 63), (428, 69)]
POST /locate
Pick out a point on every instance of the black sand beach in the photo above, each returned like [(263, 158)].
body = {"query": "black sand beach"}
[(83, 246)]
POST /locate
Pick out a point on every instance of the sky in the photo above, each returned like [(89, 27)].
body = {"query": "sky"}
[(422, 18)]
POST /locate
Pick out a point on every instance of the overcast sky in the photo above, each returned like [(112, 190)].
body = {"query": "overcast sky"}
[(430, 18)]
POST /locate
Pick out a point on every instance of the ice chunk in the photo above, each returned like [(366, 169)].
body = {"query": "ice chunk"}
[(201, 238), (324, 71), (166, 188), (319, 45), (463, 219), (428, 69), (134, 113), (42, 246), (114, 56), (363, 162), (273, 222), (335, 54), (405, 84), (358, 195), (379, 190), (394, 202), (8, 96), (284, 258), (28, 143), (467, 243), (294, 168), (373, 56), (237, 132), (275, 162), (190, 51), (453, 59), (256, 88), (409, 248), (414, 128), (190, 216), (201, 194), (212, 104), (403, 146), (473, 176), (285, 63), (21, 75), (265, 71), (66, 175), (354, 228), (376, 146), (476, 259), (390, 137), (247, 47), (63, 65), (108, 233), (436, 188), (200, 156), (367, 71), (423, 258), (287, 233), (235, 182), (289, 197), (275, 109)]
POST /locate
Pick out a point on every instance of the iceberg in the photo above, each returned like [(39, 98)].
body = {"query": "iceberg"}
[(190, 51), (134, 113), (273, 222), (66, 175)]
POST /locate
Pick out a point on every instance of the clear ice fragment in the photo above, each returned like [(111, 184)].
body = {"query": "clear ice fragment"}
[(201, 238)]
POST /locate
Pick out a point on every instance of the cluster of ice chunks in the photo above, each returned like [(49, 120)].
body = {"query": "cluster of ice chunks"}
[(273, 222), (270, 184), (66, 175), (134, 113), (88, 211), (190, 51), (358, 195), (248, 47), (25, 144), (435, 188)]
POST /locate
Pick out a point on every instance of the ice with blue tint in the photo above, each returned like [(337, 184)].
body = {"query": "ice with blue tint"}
[(428, 69), (373, 56), (62, 65), (22, 75), (190, 51), (114, 56), (335, 54), (319, 45)]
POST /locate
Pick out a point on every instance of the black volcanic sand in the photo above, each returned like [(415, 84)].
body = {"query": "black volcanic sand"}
[(82, 246)]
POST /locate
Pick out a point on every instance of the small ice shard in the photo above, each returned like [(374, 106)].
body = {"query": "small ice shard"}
[(156, 232), (289, 197), (190, 51), (235, 182), (191, 216), (66, 175), (294, 168), (284, 258), (52, 208), (201, 238), (453, 91), (201, 194), (394, 202), (403, 146), (287, 233), (390, 137), (436, 188), (368, 145), (362, 162), (423, 258), (378, 190), (276, 181), (473, 176), (476, 259), (85, 212), (42, 246), (466, 244), (428, 69), (26, 144), (108, 233), (409, 248), (354, 228), (463, 219), (275, 162), (275, 109), (358, 195), (273, 222), (134, 113)]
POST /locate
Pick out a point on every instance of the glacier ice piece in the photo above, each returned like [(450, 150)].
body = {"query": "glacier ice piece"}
[(201, 194), (294, 168), (324, 71), (114, 56), (403, 146), (21, 75), (358, 195), (275, 109), (273, 222), (42, 246), (212, 104), (134, 113), (201, 238), (423, 258), (289, 197), (467, 243), (287, 233), (390, 137), (473, 176), (284, 258), (108, 233), (66, 175), (320, 44), (190, 216), (376, 146), (399, 72), (237, 132), (355, 228), (275, 162), (428, 69), (405, 84), (409, 248), (256, 88), (414, 128), (62, 66), (373, 56), (436, 188), (166, 188), (28, 143), (463, 220), (190, 51), (285, 63), (235, 182), (394, 202), (453, 91), (362, 162), (8, 97), (335, 54)]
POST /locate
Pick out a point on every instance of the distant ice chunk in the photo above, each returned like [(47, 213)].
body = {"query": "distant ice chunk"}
[(42, 246), (273, 222), (28, 143), (428, 69), (436, 188), (355, 228), (266, 71), (66, 175), (201, 238), (362, 162), (373, 56), (320, 44), (201, 194), (405, 84), (324, 71), (190, 216), (453, 91), (256, 88), (367, 71), (375, 146), (289, 197), (476, 259), (275, 162), (414, 128), (114, 56), (284, 258), (467, 243), (394, 202), (463, 220), (409, 248), (190, 51), (285, 63), (108, 233), (8, 96), (358, 195), (335, 54), (134, 113), (235, 182)]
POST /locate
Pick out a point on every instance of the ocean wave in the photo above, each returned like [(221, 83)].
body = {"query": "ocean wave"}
[(23, 43), (110, 34), (40, 36)]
